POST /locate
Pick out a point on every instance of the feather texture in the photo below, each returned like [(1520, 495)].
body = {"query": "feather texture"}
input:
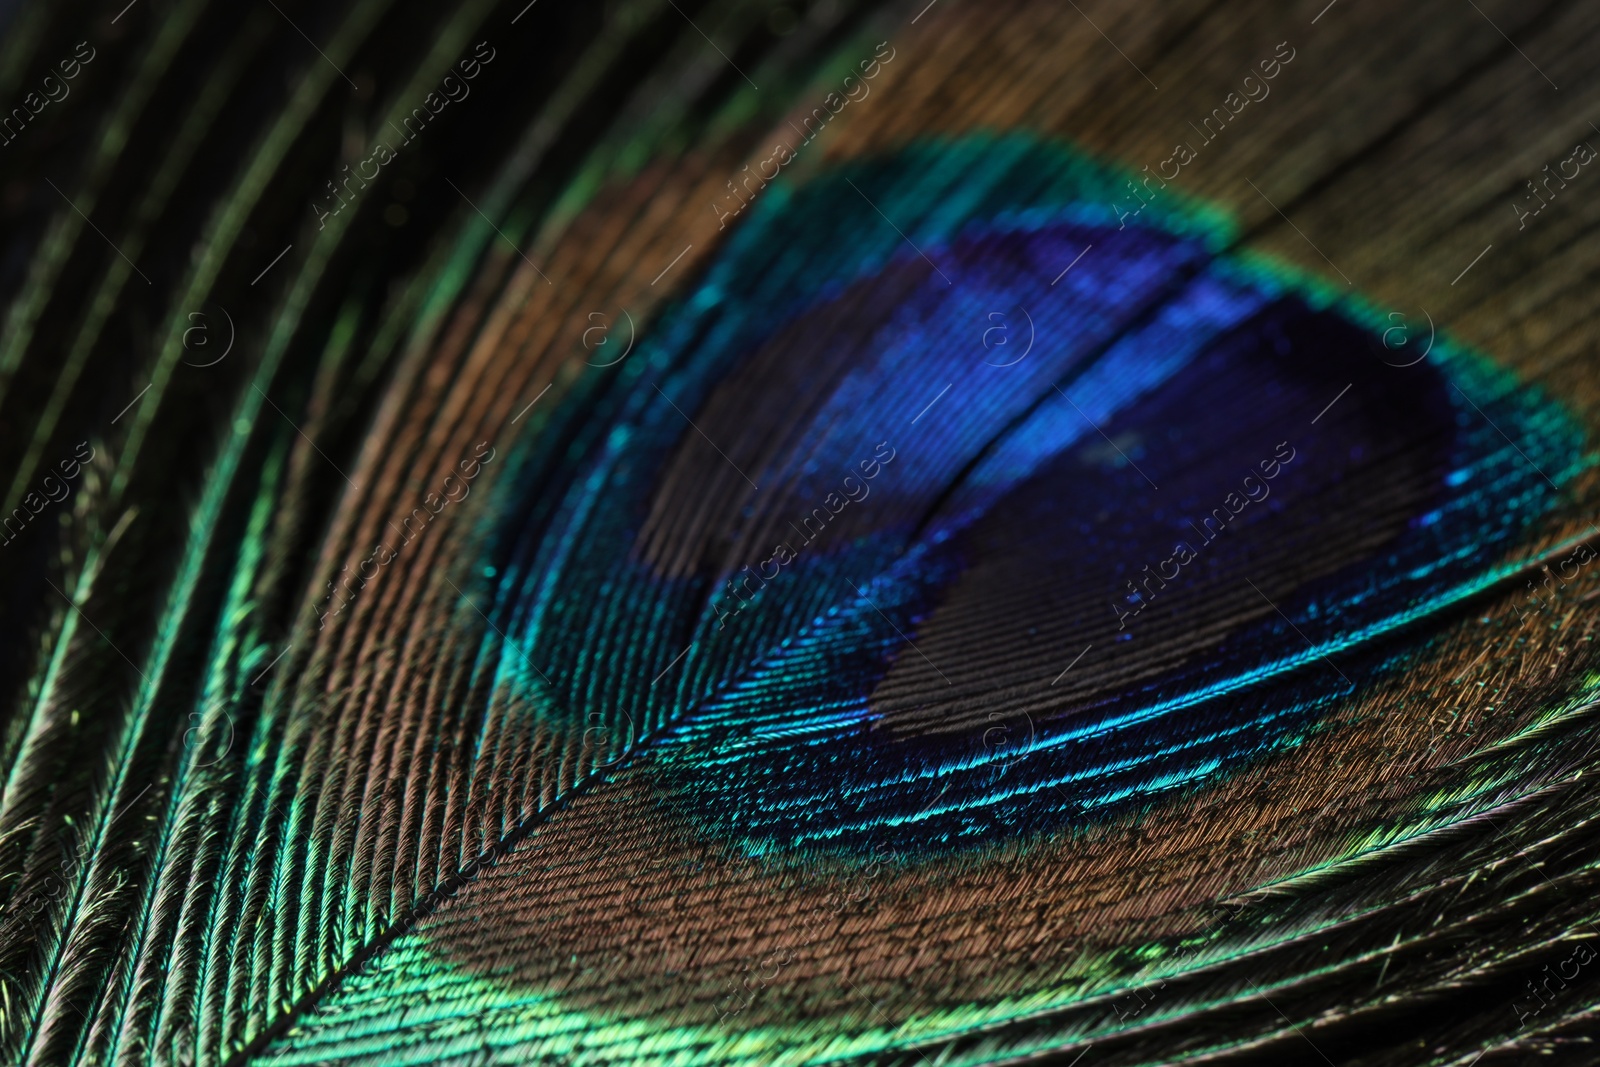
[(702, 533)]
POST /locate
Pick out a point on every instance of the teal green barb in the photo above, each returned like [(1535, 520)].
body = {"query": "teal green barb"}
[(522, 546)]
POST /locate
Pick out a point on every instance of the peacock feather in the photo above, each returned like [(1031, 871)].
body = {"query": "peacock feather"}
[(819, 532)]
